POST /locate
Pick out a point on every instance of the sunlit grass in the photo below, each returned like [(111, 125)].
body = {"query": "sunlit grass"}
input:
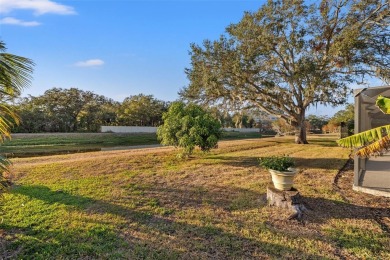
[(26, 145), (151, 205)]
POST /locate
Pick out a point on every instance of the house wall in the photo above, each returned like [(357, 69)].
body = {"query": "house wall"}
[(371, 175), (361, 124)]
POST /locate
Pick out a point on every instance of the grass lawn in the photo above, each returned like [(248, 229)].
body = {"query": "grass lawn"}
[(27, 145), (147, 204)]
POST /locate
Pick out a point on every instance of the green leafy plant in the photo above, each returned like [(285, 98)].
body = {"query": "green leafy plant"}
[(278, 163), (188, 126)]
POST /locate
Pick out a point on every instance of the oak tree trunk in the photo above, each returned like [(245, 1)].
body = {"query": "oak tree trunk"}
[(300, 131)]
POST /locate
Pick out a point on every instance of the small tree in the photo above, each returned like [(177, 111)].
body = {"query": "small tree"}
[(188, 126)]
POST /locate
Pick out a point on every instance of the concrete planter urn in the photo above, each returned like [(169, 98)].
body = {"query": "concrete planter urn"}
[(283, 180), (281, 170)]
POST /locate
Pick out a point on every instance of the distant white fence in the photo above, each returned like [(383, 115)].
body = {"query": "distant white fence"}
[(242, 130), (149, 129), (129, 129)]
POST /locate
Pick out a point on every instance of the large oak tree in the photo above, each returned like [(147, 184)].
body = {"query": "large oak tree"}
[(288, 56)]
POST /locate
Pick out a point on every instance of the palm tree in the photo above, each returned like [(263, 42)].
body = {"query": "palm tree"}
[(15, 75)]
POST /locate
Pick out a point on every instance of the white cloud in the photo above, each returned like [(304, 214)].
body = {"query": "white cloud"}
[(14, 21), (89, 63), (38, 6)]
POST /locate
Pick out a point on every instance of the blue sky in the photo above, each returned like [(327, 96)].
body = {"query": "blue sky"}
[(115, 48)]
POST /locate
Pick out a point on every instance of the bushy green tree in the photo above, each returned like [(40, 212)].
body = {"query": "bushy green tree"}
[(65, 110), (345, 116), (317, 122), (32, 116), (141, 110), (188, 126)]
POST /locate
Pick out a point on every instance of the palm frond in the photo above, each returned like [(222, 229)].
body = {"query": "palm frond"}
[(15, 72), (364, 138), (15, 75), (4, 168), (383, 103), (8, 119), (375, 148), (4, 164)]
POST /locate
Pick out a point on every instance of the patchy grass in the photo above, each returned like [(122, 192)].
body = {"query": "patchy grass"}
[(27, 145), (147, 204), (238, 135)]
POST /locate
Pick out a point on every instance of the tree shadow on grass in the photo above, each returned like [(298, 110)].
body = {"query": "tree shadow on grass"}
[(52, 196), (191, 196), (349, 236), (94, 242), (323, 142), (236, 161), (325, 209), (194, 240), (218, 197), (181, 196), (315, 163), (320, 163)]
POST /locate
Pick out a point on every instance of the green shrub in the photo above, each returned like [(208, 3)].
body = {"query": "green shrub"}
[(188, 126)]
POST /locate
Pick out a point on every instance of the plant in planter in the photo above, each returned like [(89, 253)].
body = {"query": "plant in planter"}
[(281, 169)]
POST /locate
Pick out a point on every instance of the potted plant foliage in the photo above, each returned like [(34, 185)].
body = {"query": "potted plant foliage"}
[(281, 169)]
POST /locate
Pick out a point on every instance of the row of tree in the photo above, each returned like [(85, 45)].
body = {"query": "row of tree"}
[(75, 110)]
